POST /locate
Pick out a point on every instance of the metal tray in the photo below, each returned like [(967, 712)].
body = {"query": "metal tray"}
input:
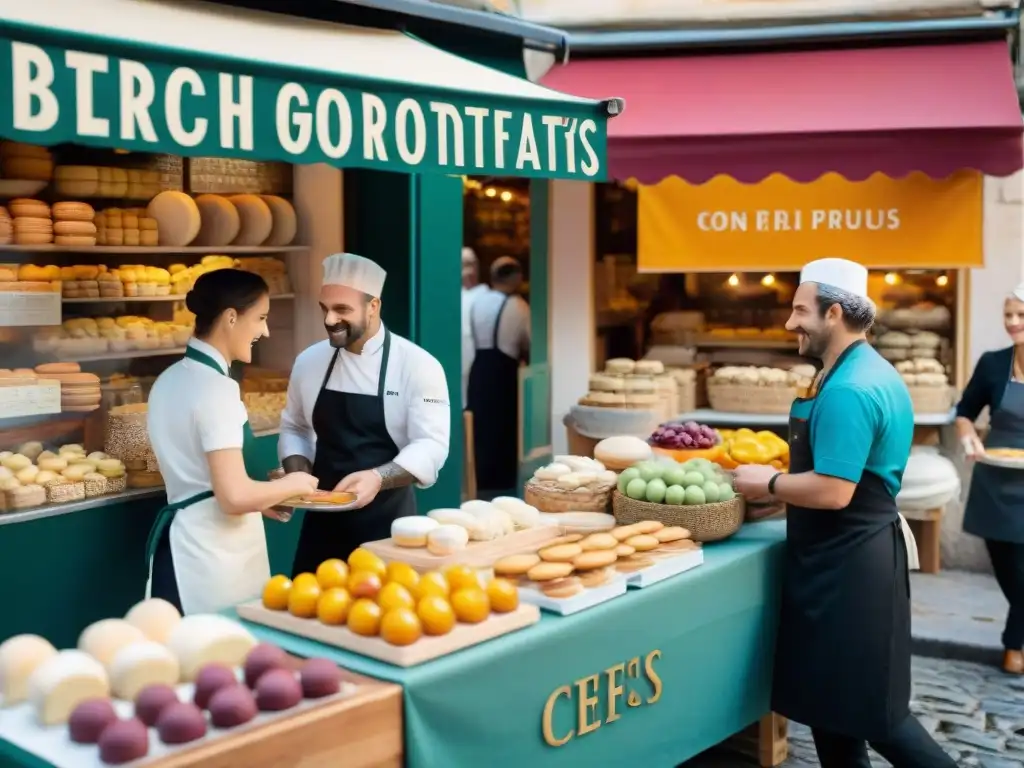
[(1000, 461)]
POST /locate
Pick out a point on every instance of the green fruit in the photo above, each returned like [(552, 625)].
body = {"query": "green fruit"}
[(725, 492), (675, 494), (656, 490), (693, 465), (711, 492), (649, 470), (693, 478), (694, 495), (637, 488), (629, 474), (674, 476), (708, 473)]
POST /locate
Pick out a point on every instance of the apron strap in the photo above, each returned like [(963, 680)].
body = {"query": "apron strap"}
[(191, 353), (330, 368), (385, 356), (164, 518), (497, 323)]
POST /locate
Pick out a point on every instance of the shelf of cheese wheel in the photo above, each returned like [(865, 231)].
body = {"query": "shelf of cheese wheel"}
[(155, 688), (33, 475), (388, 610), (477, 534), (83, 338)]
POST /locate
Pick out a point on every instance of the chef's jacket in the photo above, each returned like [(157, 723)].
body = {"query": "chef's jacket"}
[(514, 329), (192, 411), (416, 407), (468, 347)]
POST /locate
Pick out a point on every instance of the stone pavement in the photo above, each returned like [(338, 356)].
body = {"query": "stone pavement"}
[(975, 712), (957, 615)]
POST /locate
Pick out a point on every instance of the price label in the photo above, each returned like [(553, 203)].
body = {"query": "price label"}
[(30, 399), (29, 308)]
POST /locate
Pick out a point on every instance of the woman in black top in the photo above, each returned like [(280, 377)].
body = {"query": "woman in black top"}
[(995, 505)]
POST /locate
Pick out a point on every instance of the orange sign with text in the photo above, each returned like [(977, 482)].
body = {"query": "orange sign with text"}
[(780, 225)]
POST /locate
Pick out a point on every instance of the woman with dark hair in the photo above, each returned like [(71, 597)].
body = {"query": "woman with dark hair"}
[(207, 549)]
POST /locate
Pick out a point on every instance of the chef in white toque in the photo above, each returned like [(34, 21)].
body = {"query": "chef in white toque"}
[(367, 412), (842, 659)]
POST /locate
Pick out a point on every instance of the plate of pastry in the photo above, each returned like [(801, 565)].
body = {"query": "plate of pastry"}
[(1009, 458), (323, 501)]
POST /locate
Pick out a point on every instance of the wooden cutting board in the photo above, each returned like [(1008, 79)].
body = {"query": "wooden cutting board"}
[(479, 554), (424, 649)]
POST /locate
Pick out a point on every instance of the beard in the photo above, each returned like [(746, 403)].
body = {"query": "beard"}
[(343, 334), (813, 343)]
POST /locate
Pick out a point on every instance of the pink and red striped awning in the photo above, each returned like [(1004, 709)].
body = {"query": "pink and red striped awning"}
[(930, 108)]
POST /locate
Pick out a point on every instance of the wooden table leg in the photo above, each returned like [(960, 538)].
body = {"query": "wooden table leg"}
[(927, 530), (773, 740)]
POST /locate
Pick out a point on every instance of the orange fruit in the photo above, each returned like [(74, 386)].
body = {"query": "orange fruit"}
[(394, 595), (436, 615), (303, 598), (305, 579), (332, 573), (401, 626), (333, 606), (364, 560), (503, 595), (363, 584), (275, 593), (471, 605), (461, 577), (404, 574), (364, 617), (432, 583)]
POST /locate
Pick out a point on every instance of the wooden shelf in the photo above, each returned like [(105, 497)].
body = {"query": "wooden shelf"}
[(139, 250), (163, 352), (751, 342), (149, 299)]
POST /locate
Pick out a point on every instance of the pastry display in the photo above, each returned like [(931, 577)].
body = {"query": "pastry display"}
[(32, 476), (78, 391), (896, 346), (570, 483), (86, 336)]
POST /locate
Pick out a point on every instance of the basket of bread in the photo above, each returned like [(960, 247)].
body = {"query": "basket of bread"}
[(571, 484), (697, 495), (929, 387), (751, 389)]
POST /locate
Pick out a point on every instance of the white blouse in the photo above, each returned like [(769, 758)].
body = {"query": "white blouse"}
[(192, 411)]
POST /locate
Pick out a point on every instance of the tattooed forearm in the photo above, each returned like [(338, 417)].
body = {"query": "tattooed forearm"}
[(393, 476)]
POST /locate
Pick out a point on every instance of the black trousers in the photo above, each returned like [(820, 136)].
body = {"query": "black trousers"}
[(907, 746), (1008, 564)]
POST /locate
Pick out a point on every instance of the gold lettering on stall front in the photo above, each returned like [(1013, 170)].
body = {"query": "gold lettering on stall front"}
[(548, 724), (587, 720), (587, 692)]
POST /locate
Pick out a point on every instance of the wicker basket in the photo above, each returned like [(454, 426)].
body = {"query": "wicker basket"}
[(706, 522), (931, 399), (548, 499), (745, 398)]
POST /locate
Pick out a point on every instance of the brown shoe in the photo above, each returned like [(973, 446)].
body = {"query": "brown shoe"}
[(1013, 662)]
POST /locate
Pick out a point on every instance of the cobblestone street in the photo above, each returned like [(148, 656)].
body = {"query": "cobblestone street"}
[(976, 712)]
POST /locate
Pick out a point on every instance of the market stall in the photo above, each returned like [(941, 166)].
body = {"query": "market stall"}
[(150, 142)]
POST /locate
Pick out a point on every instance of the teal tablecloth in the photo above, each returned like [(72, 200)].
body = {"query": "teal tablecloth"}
[(713, 626)]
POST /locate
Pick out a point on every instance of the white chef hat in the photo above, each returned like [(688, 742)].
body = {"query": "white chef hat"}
[(1018, 293), (846, 275), (354, 271)]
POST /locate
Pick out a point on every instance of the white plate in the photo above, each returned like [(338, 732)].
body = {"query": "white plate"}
[(581, 522), (20, 188), (999, 461)]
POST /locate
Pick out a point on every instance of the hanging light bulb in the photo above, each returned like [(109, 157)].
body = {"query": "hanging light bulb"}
[(768, 281), (733, 280), (490, 192), (506, 196), (942, 281), (891, 278)]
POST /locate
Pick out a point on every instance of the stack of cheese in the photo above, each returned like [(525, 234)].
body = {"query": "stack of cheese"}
[(446, 531), (897, 346), (6, 227), (32, 475), (32, 224), (79, 392), (928, 384), (183, 278), (216, 221), (111, 183), (26, 162), (29, 278), (152, 645), (73, 224), (272, 270), (83, 336), (82, 281), (127, 226), (632, 384)]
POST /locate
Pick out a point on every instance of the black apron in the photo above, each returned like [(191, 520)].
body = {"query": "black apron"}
[(351, 436), (842, 661), (493, 397), (995, 504)]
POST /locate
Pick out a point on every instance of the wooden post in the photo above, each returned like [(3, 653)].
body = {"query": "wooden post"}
[(927, 528), (772, 740)]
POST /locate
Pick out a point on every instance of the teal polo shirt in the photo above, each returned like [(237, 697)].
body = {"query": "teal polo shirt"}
[(862, 420)]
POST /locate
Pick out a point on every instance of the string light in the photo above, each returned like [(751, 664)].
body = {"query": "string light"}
[(768, 280), (891, 278), (942, 281), (733, 280), (506, 196), (490, 192)]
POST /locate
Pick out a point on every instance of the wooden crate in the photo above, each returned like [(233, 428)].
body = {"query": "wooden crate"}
[(766, 741)]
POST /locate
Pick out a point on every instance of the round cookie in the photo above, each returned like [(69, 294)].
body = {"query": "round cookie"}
[(569, 538), (624, 532), (624, 550), (598, 558), (563, 588), (515, 565), (549, 571), (643, 543), (599, 541), (596, 578), (682, 545), (648, 527), (560, 553), (672, 533), (633, 564)]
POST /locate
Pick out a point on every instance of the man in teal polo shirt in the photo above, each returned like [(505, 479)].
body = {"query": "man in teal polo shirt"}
[(842, 661)]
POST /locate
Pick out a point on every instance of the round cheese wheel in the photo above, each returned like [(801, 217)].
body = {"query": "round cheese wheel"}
[(20, 656), (103, 639), (155, 617), (220, 221), (447, 539), (412, 531), (140, 664), (623, 450), (64, 681), (177, 218), (257, 220), (286, 223), (203, 639)]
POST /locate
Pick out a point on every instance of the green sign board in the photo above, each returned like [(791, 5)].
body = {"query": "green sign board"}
[(62, 87)]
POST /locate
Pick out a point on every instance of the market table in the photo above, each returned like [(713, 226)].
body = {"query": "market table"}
[(651, 678)]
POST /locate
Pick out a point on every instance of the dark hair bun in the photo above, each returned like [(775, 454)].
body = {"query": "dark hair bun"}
[(214, 293)]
